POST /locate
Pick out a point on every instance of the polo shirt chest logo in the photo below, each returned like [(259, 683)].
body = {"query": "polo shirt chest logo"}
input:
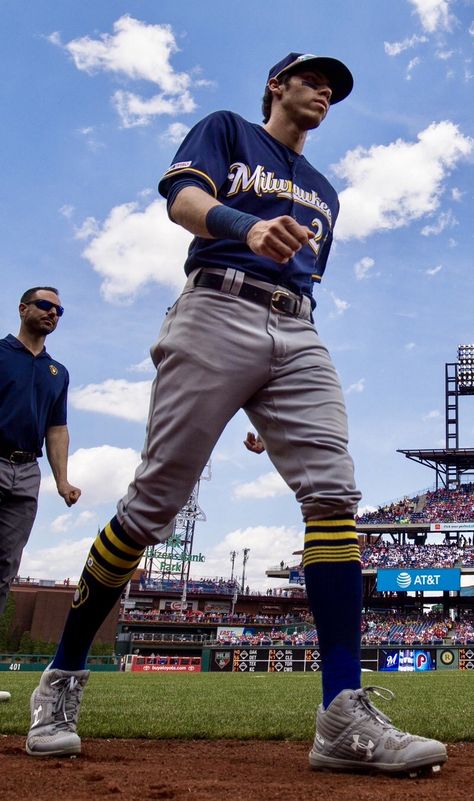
[(53, 369)]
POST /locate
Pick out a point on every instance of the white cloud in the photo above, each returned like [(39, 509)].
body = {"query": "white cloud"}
[(134, 110), (363, 267), (456, 194), (395, 48), (362, 510), (61, 523), (84, 518), (434, 14), (136, 50), (70, 520), (445, 220), (411, 66), (433, 415), (91, 141), (55, 38), (62, 561), (434, 270), (145, 366), (134, 248), (268, 546), (67, 211), (90, 227), (340, 304), (410, 346), (471, 28), (175, 133), (444, 55), (268, 485), (358, 387), (128, 400), (102, 473), (139, 52), (392, 185)]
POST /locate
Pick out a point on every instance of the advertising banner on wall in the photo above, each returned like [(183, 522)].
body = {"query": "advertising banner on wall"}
[(296, 576), (408, 660), (464, 526), (424, 580)]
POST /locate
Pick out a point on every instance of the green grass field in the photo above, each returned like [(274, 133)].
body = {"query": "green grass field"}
[(251, 706)]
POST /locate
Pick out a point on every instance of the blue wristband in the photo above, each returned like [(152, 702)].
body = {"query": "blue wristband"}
[(223, 222)]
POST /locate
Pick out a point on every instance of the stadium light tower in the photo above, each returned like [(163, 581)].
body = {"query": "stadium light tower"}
[(244, 562), (171, 560), (466, 369), (233, 554), (459, 381), (452, 463)]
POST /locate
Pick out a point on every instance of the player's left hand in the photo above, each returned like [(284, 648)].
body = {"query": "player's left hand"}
[(253, 443), (70, 493)]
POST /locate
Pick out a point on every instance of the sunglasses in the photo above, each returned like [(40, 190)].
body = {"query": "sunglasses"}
[(46, 305)]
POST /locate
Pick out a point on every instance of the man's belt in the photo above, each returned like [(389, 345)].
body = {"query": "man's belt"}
[(17, 457), (280, 300)]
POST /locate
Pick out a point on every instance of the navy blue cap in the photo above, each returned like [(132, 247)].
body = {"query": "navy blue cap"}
[(339, 76)]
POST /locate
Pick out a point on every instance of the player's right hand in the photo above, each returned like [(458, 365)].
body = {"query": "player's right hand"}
[(278, 239)]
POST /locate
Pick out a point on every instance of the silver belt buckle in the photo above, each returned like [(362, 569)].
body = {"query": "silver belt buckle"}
[(279, 293)]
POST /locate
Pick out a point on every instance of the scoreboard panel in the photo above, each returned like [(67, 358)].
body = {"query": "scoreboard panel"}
[(266, 660), (466, 658)]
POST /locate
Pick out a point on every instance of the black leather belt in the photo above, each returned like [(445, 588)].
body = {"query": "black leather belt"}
[(18, 457), (280, 300)]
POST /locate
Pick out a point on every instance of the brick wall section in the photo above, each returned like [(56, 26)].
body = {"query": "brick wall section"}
[(43, 611)]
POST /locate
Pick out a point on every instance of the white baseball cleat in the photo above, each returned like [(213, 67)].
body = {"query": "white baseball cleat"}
[(54, 713), (352, 734)]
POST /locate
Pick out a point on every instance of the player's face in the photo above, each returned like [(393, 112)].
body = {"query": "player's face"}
[(40, 322), (306, 98)]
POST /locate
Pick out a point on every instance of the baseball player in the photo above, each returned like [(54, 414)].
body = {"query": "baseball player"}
[(33, 409), (241, 336)]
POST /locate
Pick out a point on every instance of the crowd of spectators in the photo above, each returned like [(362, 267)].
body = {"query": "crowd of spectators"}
[(216, 586), (435, 506), (220, 586), (377, 629), (390, 555), (269, 638), (195, 617), (448, 505), (431, 628), (464, 630)]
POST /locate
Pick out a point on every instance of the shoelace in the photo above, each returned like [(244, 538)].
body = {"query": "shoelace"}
[(366, 703), (66, 700)]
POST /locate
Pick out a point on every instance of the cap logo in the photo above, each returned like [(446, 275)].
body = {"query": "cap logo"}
[(306, 57)]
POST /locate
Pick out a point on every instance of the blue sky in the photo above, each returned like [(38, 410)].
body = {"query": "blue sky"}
[(96, 98)]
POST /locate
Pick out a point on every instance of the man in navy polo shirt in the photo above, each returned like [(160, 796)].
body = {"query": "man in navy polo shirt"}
[(33, 398)]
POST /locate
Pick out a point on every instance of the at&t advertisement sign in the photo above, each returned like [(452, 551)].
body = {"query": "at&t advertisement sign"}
[(429, 580)]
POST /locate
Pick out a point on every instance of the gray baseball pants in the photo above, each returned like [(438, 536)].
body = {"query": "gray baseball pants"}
[(218, 353), (19, 487)]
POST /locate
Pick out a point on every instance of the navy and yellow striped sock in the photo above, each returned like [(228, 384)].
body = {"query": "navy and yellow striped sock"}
[(110, 564), (334, 588)]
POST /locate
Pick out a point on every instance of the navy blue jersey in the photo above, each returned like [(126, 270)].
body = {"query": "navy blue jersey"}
[(33, 396), (242, 166)]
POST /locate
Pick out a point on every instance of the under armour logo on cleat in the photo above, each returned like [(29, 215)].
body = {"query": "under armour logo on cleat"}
[(367, 748), (37, 716)]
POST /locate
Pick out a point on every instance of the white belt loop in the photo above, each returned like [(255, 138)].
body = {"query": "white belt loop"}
[(238, 281), (228, 280)]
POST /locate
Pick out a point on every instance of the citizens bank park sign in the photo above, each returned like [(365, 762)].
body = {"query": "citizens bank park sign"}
[(430, 580)]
